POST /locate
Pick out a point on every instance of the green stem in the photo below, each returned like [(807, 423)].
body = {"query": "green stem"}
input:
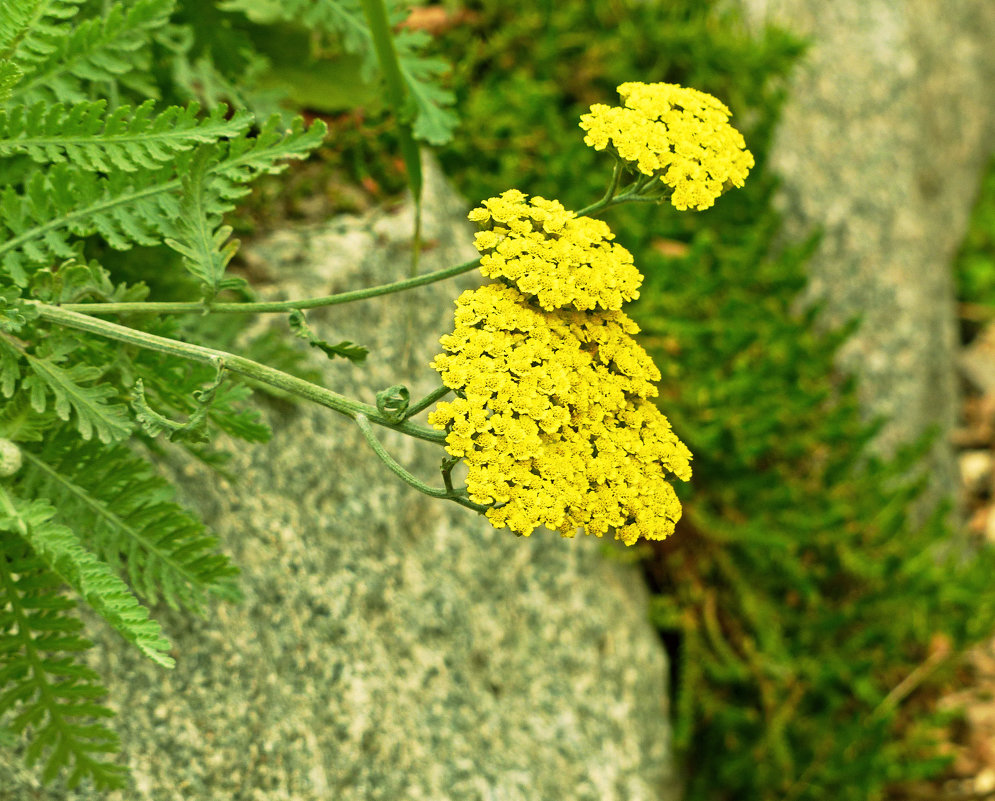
[(416, 238), (447, 471), (396, 96), (611, 199), (613, 184), (427, 401), (405, 476), (272, 306), (235, 364)]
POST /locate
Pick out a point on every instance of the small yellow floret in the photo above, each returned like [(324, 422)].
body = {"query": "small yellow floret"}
[(682, 136)]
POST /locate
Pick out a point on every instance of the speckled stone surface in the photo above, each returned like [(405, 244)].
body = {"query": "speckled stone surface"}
[(881, 145), (390, 647)]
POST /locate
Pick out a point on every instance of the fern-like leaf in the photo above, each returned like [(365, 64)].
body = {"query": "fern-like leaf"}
[(172, 385), (203, 243), (36, 226), (60, 549), (9, 75), (28, 27), (58, 61), (126, 515), (14, 313), (433, 121), (230, 414), (45, 688), (346, 349), (74, 389), (74, 281), (21, 423), (249, 157), (125, 139), (10, 368)]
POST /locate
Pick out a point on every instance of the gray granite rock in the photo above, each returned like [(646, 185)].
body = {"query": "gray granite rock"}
[(889, 122), (390, 646)]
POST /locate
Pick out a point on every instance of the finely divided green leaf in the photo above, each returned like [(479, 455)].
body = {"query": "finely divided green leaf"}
[(9, 75), (61, 550), (49, 692), (73, 390), (127, 515), (433, 121), (57, 63), (38, 224), (14, 313), (10, 368), (75, 281), (345, 349), (154, 423), (204, 245), (27, 27), (20, 423), (91, 138)]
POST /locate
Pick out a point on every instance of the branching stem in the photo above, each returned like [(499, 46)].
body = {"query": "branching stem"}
[(459, 496), (235, 364), (197, 307), (427, 401)]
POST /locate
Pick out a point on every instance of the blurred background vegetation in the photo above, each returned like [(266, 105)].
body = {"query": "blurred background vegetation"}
[(811, 625)]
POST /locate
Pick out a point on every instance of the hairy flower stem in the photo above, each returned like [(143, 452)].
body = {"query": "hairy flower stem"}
[(428, 400), (447, 471), (450, 494), (183, 307), (236, 364), (613, 183)]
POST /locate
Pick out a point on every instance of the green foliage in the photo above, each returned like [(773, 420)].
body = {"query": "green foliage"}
[(61, 550), (60, 62), (345, 349), (252, 23), (85, 135), (431, 120), (796, 595), (9, 75), (51, 692), (975, 265), (801, 592), (127, 516), (77, 388), (91, 163), (66, 202), (154, 424), (200, 238)]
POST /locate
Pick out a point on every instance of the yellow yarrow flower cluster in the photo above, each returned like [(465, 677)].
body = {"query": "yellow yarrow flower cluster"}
[(553, 255), (680, 135), (552, 414)]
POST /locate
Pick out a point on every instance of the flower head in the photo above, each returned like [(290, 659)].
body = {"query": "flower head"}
[(553, 419), (682, 136), (551, 254)]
